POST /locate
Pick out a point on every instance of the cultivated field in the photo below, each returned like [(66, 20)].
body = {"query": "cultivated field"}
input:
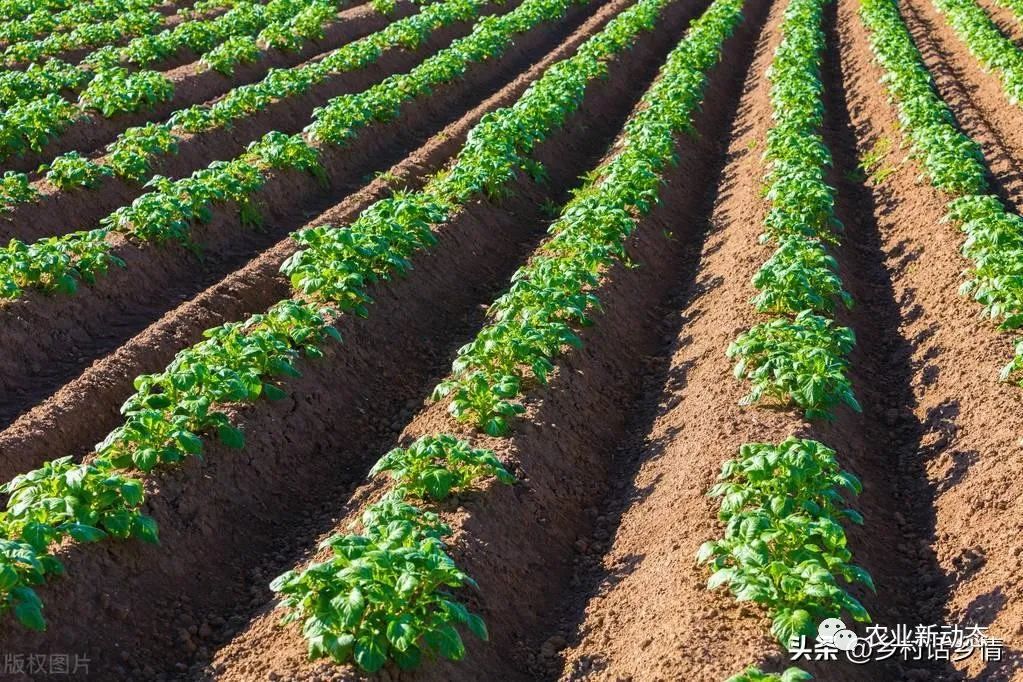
[(521, 340)]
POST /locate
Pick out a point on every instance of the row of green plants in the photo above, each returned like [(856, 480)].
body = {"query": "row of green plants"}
[(386, 593), (548, 298), (168, 211), (197, 33), (987, 43), (553, 294), (12, 10), (133, 153), (112, 88), (37, 80), (783, 505), (40, 23), (17, 10), (101, 33), (955, 166), (250, 20), (171, 412), (200, 7), (800, 356)]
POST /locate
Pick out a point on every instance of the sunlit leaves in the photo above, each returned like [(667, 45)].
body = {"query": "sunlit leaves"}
[(433, 467), (386, 594), (800, 361), (783, 545), (553, 295), (800, 357), (753, 674)]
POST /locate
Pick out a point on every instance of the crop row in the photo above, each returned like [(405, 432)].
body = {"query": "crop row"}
[(16, 10), (43, 22), (530, 326), (987, 43), (800, 356), (114, 89), (132, 154), (955, 166), (167, 212), (131, 23), (782, 504), (171, 412), (250, 23)]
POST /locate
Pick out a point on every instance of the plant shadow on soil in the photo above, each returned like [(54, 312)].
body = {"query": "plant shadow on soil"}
[(662, 385), (890, 401), (882, 374), (982, 611)]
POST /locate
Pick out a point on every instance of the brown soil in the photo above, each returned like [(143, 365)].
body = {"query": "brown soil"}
[(367, 385), (651, 562), (967, 443), (586, 567), (194, 84), (563, 452), (99, 318)]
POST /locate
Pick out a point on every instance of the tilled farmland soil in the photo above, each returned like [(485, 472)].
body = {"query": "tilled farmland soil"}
[(586, 567)]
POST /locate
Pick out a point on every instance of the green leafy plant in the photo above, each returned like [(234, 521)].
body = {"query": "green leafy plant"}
[(784, 546), (84, 502), (129, 23), (172, 412), (384, 595), (232, 52), (116, 90), (435, 466), (800, 275), (987, 43), (799, 361), (953, 161), (753, 674), (800, 356), (73, 170), (15, 188)]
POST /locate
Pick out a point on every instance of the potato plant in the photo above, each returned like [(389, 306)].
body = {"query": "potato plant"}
[(433, 467), (171, 413), (992, 48), (73, 170), (386, 594), (801, 361), (15, 188), (132, 154), (130, 23), (784, 546), (37, 112), (167, 212), (754, 674), (41, 22)]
